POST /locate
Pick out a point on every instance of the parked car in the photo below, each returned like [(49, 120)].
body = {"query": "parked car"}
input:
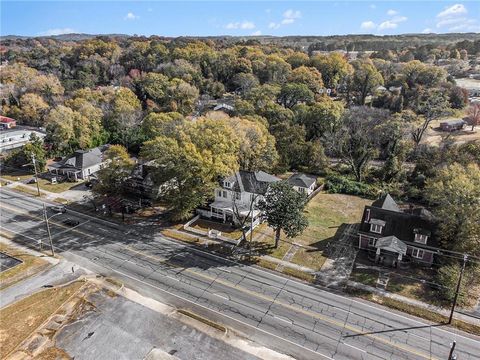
[(71, 222), (32, 181), (59, 209)]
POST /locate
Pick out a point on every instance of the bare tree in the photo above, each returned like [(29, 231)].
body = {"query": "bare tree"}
[(473, 115)]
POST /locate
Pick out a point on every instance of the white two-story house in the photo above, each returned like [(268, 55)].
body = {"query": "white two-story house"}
[(238, 195)]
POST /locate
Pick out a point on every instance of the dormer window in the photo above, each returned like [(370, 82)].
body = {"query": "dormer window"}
[(227, 184), (421, 236), (376, 226)]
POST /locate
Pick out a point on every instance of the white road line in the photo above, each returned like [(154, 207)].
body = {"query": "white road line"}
[(221, 296), (282, 319), (376, 308)]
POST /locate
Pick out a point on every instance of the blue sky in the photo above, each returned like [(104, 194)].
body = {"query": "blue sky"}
[(202, 18)]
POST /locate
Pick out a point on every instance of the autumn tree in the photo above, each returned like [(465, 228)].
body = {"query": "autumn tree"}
[(320, 118), (189, 163), (283, 210), (118, 168), (334, 67), (364, 80), (292, 94)]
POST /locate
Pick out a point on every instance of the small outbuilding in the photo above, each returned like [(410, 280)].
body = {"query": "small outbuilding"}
[(452, 125), (303, 183)]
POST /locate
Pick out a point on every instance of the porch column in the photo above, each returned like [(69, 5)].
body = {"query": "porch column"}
[(224, 216), (377, 255), (211, 211)]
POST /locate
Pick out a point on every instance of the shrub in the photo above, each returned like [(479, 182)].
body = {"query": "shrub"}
[(340, 185)]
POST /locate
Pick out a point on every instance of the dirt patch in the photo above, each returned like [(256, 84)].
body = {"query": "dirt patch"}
[(21, 319)]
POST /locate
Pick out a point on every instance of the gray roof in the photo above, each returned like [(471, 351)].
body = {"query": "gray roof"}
[(253, 182), (453, 122), (83, 159), (386, 202), (302, 180), (391, 243)]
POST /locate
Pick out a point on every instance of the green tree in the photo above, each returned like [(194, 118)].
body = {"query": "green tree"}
[(320, 118), (334, 67), (23, 156), (156, 124), (118, 168), (455, 193), (283, 210), (309, 76), (292, 94), (364, 80), (189, 164)]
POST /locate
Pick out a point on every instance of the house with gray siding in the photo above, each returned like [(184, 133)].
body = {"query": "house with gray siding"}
[(394, 236)]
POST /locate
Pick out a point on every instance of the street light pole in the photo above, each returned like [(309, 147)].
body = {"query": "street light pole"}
[(48, 227), (465, 257), (36, 174), (451, 356)]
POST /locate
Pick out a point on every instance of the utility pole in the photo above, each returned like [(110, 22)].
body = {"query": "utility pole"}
[(451, 356), (36, 174), (465, 257), (48, 229)]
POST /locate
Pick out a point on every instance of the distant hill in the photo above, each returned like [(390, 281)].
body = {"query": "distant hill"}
[(363, 42)]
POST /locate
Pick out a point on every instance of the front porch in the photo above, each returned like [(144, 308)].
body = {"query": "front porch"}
[(225, 212), (390, 251)]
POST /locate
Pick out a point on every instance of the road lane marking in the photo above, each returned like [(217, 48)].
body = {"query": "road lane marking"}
[(310, 288), (163, 238), (285, 305), (266, 298), (73, 229)]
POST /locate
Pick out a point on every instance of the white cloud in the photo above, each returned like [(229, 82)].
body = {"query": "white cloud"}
[(245, 25), (454, 18), (368, 25), (257, 33), (426, 31), (387, 25), (392, 12), (287, 21), (54, 32), (292, 14), (288, 18), (454, 10), (131, 16), (273, 25)]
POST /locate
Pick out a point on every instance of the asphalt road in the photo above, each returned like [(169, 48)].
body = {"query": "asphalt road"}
[(286, 315)]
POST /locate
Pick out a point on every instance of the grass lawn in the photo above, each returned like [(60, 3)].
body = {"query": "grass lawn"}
[(30, 265), (226, 230), (365, 276), (326, 212), (180, 236), (414, 289), (27, 190), (21, 318), (44, 184)]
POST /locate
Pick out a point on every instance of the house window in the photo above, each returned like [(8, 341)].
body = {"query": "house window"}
[(417, 253), (238, 196), (376, 228), (219, 193), (226, 184), (372, 241), (88, 171), (224, 194), (367, 215), (420, 238)]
